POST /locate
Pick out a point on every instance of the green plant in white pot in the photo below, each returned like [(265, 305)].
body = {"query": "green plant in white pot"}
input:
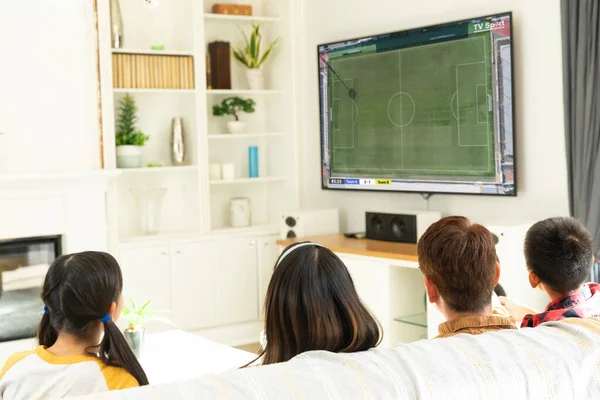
[(234, 106), (128, 139), (252, 58)]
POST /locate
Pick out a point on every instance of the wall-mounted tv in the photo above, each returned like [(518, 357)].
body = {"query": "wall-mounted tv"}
[(426, 110)]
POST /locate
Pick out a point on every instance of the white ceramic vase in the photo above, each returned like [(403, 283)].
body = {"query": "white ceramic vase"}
[(236, 126), (256, 81), (239, 212), (129, 156)]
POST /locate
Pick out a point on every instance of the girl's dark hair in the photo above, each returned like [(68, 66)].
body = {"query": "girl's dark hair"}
[(311, 304), (79, 289)]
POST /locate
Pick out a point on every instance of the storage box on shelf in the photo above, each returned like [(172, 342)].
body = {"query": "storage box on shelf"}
[(139, 69), (259, 8)]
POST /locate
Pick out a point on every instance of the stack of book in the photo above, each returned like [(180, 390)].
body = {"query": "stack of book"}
[(149, 71)]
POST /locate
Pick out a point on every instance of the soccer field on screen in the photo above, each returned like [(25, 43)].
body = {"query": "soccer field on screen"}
[(424, 110)]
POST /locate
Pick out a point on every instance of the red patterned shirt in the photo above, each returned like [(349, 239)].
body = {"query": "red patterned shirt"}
[(582, 303)]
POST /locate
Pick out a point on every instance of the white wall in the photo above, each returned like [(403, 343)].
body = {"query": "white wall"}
[(542, 182), (48, 109)]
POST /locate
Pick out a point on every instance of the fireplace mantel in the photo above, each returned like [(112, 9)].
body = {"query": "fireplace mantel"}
[(70, 204), (57, 180)]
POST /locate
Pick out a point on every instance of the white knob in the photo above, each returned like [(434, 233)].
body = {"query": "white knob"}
[(252, 243), (178, 252), (164, 253)]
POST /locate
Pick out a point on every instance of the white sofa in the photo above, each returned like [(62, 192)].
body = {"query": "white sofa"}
[(559, 360)]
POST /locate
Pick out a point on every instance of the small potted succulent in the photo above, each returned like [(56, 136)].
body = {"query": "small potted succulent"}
[(251, 57), (128, 139), (234, 106), (135, 334)]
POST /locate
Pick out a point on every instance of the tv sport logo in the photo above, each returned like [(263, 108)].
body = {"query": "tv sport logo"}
[(487, 25)]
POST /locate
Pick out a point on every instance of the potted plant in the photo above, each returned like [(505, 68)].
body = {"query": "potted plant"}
[(234, 106), (128, 139), (252, 58), (135, 334)]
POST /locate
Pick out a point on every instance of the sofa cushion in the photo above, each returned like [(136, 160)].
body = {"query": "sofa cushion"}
[(558, 360)]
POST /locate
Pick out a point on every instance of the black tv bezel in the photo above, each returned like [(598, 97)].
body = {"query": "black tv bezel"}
[(512, 83)]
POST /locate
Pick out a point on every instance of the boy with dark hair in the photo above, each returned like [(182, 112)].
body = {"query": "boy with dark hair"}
[(559, 257), (460, 270)]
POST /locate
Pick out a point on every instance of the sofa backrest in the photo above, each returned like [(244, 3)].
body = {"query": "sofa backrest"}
[(559, 360)]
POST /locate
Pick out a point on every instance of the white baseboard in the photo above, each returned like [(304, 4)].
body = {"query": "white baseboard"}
[(233, 335)]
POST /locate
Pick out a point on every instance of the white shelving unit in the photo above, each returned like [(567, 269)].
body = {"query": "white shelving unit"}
[(242, 136), (141, 91), (157, 170), (243, 92), (238, 18), (249, 180), (153, 52), (193, 205), (197, 257)]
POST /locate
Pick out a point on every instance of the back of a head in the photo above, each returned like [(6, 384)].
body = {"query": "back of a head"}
[(79, 290), (559, 251), (459, 257), (312, 304)]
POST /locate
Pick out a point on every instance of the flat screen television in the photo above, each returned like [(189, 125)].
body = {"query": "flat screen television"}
[(426, 110)]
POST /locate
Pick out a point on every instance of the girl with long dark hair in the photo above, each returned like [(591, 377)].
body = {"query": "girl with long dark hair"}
[(311, 304), (81, 349)]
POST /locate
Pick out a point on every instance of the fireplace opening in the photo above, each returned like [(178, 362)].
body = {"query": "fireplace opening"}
[(23, 266)]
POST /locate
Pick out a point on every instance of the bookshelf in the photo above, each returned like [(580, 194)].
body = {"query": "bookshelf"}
[(194, 206)]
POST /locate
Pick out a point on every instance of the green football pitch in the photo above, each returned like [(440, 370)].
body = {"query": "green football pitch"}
[(417, 111)]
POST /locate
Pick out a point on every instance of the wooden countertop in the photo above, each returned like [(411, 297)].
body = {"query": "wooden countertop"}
[(362, 247)]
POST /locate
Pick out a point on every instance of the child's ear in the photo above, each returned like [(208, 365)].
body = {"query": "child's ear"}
[(112, 310), (534, 280), (498, 270), (432, 292)]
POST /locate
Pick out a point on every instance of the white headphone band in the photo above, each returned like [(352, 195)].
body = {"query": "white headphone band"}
[(294, 247)]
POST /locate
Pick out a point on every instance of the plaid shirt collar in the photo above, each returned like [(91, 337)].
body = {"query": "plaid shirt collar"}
[(582, 303), (575, 298)]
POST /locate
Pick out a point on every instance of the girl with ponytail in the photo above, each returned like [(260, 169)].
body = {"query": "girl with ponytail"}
[(81, 349)]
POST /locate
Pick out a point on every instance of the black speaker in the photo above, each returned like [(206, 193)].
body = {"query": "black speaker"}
[(392, 227)]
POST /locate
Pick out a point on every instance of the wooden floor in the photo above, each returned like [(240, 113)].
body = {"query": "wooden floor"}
[(251, 347)]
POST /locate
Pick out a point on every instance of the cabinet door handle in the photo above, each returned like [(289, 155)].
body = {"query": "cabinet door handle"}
[(164, 253), (178, 252), (252, 243), (266, 244)]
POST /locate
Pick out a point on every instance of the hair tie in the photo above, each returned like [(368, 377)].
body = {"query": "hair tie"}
[(284, 255), (106, 318), (46, 311)]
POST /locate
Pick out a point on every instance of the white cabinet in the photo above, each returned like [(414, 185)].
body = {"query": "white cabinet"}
[(371, 280), (268, 251), (193, 284), (204, 283), (237, 280), (146, 275)]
